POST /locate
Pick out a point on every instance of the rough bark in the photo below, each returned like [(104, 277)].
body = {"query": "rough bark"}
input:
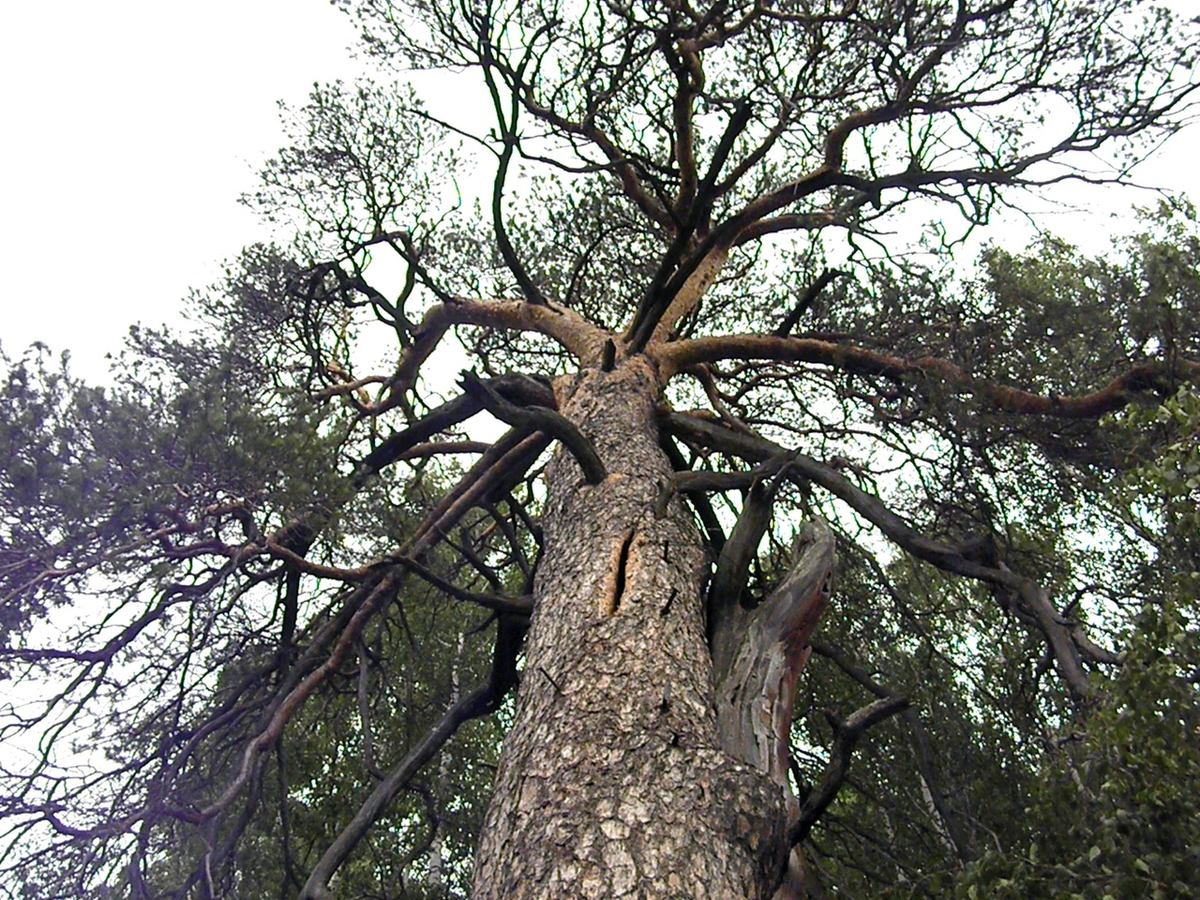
[(756, 691), (613, 781), (756, 682)]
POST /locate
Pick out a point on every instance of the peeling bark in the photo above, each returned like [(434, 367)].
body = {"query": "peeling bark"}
[(756, 691), (756, 687)]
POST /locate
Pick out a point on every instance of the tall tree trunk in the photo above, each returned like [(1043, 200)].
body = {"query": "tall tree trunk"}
[(613, 781)]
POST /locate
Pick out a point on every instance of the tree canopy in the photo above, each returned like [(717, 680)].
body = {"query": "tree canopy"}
[(562, 419)]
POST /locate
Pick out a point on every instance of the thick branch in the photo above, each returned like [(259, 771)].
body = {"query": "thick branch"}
[(539, 419), (492, 476), (520, 606), (758, 449), (570, 330), (709, 190), (508, 253), (810, 296), (1151, 376), (802, 468), (440, 448), (688, 297), (1057, 631), (727, 607), (685, 273), (689, 81), (515, 388)]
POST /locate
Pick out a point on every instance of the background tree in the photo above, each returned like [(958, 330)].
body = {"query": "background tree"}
[(227, 575)]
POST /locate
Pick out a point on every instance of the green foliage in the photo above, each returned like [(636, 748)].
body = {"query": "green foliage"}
[(364, 162), (937, 785), (1114, 813), (199, 563), (411, 668), (90, 469), (115, 502), (1165, 488), (997, 782), (1130, 774)]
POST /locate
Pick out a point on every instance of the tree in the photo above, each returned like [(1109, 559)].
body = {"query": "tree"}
[(221, 565)]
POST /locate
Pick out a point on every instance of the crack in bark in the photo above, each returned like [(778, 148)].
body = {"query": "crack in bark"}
[(620, 578), (620, 764), (666, 607)]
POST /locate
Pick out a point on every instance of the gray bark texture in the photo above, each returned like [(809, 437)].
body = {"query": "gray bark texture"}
[(619, 778)]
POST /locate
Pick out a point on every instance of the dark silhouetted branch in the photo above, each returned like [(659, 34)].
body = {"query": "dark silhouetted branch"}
[(922, 751), (482, 701), (520, 606), (845, 736), (516, 388), (1151, 377), (540, 419), (810, 296)]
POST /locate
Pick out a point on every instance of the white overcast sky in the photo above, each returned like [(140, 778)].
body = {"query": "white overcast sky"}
[(130, 127)]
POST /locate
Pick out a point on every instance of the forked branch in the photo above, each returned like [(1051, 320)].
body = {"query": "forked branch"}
[(846, 735), (482, 701)]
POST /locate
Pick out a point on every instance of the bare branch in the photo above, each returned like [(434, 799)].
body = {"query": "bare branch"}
[(846, 735), (922, 750), (1158, 377)]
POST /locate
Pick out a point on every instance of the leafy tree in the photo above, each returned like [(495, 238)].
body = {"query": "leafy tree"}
[(1130, 777), (250, 603)]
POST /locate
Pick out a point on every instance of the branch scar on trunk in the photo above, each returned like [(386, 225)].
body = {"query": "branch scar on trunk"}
[(615, 584)]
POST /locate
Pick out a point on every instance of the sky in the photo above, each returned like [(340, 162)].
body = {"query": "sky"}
[(132, 126)]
